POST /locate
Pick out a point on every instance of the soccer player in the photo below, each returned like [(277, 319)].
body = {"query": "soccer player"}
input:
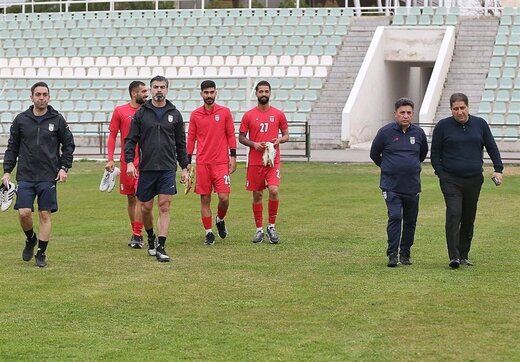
[(120, 123), (212, 130), (259, 126), (42, 144), (398, 149), (158, 128)]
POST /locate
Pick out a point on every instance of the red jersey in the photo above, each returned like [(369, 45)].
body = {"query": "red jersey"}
[(263, 126), (214, 132), (120, 122)]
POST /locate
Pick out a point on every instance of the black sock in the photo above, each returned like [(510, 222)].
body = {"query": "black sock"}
[(149, 232), (42, 246), (162, 241), (31, 236)]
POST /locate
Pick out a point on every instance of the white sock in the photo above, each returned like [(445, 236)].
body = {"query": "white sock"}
[(209, 231), (259, 229), (271, 226)]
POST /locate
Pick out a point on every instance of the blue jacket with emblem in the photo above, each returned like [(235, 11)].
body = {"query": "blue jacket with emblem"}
[(399, 155)]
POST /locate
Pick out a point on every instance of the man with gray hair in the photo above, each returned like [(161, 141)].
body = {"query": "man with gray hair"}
[(398, 149)]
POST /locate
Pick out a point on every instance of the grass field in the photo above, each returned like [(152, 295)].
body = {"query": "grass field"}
[(324, 293)]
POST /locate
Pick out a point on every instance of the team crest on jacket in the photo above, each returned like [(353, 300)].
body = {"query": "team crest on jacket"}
[(412, 140), (271, 118), (170, 118), (51, 127), (217, 117)]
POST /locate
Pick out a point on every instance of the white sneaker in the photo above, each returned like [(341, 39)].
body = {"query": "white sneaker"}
[(112, 178), (108, 180), (6, 196)]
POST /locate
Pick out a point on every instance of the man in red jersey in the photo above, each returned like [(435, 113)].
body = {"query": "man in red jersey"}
[(211, 128), (263, 123), (120, 123)]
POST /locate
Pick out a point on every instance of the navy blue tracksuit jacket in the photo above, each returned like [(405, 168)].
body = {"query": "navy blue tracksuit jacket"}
[(399, 155)]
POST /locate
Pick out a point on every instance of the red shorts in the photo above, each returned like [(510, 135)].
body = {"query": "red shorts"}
[(259, 177), (127, 184), (210, 178)]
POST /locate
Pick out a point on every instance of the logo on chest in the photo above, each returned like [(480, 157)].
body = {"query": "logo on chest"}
[(51, 127), (217, 117), (412, 140), (170, 118)]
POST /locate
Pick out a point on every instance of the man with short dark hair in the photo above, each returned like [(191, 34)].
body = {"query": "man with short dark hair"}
[(259, 130), (212, 130), (42, 144), (158, 128), (457, 148), (120, 123), (398, 149)]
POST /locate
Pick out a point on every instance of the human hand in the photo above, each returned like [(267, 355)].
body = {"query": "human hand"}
[(109, 166)]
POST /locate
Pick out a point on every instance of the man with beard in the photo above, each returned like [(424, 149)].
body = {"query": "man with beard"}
[(212, 130), (158, 128), (42, 144), (120, 123), (262, 124)]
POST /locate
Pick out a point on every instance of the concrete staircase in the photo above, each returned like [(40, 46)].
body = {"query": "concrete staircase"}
[(325, 118), (470, 63)]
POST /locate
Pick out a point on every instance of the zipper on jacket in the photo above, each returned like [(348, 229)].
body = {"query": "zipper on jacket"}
[(38, 136)]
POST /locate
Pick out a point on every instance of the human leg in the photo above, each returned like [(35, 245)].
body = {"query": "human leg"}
[(222, 208), (452, 192), (471, 193), (410, 212), (394, 207)]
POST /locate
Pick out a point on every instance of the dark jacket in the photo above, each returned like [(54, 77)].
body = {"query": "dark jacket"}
[(36, 146), (399, 155), (457, 148), (162, 142)]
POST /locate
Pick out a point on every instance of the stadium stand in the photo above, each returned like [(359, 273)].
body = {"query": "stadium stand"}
[(88, 58)]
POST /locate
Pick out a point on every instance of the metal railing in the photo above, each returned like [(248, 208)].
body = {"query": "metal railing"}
[(91, 140)]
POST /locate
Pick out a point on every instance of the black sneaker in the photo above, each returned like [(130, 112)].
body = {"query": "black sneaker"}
[(160, 254), (405, 260), (210, 239), (272, 235), (258, 237), (152, 243), (392, 261), (454, 263), (465, 262), (136, 242), (221, 228), (40, 260), (28, 250)]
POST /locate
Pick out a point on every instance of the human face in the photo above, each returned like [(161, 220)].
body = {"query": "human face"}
[(140, 94), (262, 94), (159, 91), (209, 95), (460, 111), (40, 98), (403, 116)]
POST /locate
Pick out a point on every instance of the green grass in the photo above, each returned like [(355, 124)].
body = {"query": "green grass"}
[(324, 293)]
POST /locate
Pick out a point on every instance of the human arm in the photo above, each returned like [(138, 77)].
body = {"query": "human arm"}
[(13, 148), (67, 150), (424, 147), (376, 149), (180, 147), (133, 138), (283, 139), (113, 129), (242, 138), (436, 150)]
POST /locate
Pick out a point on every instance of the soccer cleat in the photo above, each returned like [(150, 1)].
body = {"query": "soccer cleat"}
[(258, 238), (210, 239), (152, 245), (136, 242), (269, 154), (392, 261), (221, 228), (6, 195), (454, 263), (161, 254), (465, 262), (108, 181), (405, 260), (40, 260), (272, 235), (28, 250), (189, 182)]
